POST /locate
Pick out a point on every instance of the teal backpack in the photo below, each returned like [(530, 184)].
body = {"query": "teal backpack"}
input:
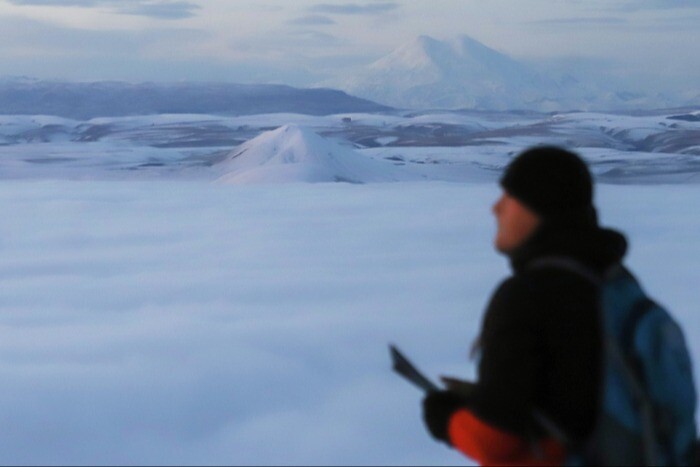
[(647, 415)]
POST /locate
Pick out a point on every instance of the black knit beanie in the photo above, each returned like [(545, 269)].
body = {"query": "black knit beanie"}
[(554, 183)]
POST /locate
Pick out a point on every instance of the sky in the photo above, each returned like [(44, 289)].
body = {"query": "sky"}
[(307, 41)]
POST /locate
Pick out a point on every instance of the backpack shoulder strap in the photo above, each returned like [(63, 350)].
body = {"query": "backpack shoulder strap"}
[(640, 309)]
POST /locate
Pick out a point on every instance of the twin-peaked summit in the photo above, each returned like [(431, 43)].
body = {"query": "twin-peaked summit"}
[(463, 73), (457, 73), (461, 57)]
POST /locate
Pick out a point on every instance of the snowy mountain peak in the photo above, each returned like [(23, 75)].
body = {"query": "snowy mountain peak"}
[(288, 144), (467, 44), (422, 53), (295, 153), (457, 73), (423, 49), (469, 49), (463, 73), (463, 55)]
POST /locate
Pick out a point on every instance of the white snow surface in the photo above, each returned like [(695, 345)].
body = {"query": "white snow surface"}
[(294, 153), (451, 146), (183, 322)]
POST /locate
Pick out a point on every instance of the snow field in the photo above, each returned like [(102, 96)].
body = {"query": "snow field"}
[(188, 323)]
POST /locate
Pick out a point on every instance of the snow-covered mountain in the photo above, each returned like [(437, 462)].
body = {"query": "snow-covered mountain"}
[(459, 73), (463, 73), (295, 153)]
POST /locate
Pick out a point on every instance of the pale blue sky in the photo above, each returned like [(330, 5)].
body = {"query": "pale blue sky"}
[(303, 41)]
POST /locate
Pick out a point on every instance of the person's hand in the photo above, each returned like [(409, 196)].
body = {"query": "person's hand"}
[(438, 408)]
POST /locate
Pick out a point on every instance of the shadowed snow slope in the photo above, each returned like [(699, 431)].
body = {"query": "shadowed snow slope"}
[(297, 154)]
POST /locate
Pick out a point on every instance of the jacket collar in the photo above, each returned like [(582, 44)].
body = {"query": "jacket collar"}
[(594, 247)]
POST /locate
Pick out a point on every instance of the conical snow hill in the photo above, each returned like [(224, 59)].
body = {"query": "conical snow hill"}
[(297, 154)]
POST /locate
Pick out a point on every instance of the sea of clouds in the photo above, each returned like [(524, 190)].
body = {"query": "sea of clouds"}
[(188, 323)]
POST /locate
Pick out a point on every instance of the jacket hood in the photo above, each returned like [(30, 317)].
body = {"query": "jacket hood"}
[(595, 247)]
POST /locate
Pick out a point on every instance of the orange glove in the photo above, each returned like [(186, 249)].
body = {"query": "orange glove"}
[(490, 446)]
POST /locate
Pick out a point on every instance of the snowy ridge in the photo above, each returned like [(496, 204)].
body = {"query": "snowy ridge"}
[(116, 99), (295, 153)]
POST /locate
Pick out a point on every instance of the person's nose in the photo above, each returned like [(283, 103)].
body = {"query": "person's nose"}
[(495, 209)]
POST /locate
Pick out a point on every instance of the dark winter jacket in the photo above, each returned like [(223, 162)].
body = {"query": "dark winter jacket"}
[(541, 344)]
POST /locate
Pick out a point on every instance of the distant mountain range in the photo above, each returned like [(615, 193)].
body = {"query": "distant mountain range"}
[(463, 73), (425, 73), (22, 96)]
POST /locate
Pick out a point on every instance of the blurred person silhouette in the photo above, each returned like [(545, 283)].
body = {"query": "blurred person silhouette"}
[(550, 389)]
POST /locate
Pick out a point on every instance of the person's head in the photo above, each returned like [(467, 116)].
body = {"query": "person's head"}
[(543, 185)]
